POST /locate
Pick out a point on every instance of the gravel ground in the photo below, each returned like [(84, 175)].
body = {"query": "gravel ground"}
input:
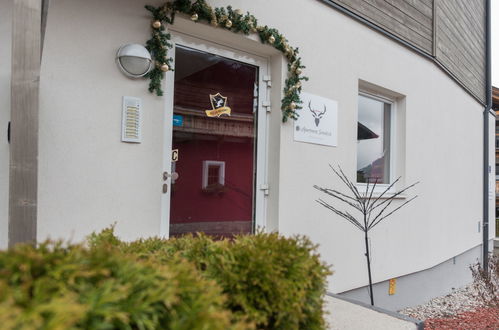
[(460, 300), (479, 319), (460, 309)]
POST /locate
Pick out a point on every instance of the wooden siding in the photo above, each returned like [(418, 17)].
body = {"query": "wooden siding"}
[(26, 23), (411, 20), (461, 42), (451, 31)]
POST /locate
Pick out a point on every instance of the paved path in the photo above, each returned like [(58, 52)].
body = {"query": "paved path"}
[(346, 315)]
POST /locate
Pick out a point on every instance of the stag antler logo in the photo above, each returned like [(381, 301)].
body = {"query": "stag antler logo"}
[(316, 113)]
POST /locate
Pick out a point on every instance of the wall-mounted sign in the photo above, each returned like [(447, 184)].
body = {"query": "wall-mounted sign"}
[(392, 286), (318, 121), (219, 105), (174, 155), (178, 120)]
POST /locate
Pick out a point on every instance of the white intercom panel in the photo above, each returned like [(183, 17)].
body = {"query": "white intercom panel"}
[(131, 120)]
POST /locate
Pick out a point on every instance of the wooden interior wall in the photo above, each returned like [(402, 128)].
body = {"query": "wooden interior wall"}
[(452, 31)]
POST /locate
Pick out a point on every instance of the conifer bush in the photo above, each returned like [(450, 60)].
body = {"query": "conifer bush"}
[(56, 287), (273, 281), (262, 281)]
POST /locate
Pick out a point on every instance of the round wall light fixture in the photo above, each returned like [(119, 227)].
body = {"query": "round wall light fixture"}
[(134, 60)]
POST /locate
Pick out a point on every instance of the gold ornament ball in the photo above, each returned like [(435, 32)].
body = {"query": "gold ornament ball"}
[(156, 24), (228, 24), (238, 11), (164, 67), (271, 39), (298, 71), (292, 105), (194, 17), (298, 85)]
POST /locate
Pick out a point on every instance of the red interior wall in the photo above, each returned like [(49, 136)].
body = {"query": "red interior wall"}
[(191, 204)]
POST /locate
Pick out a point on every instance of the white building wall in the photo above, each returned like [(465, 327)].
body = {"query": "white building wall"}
[(89, 179), (5, 69), (443, 147)]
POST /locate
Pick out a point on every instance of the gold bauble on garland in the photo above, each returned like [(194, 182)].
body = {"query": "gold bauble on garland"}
[(233, 20), (164, 67), (156, 24)]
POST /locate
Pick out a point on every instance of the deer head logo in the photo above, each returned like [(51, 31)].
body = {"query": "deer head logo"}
[(316, 113)]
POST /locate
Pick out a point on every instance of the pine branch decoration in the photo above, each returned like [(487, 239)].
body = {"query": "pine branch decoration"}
[(229, 19)]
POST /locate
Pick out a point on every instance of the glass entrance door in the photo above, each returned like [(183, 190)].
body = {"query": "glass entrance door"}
[(215, 110)]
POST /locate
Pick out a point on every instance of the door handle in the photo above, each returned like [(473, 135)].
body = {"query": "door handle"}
[(166, 175)]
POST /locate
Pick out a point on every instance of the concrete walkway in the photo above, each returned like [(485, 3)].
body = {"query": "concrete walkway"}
[(346, 314)]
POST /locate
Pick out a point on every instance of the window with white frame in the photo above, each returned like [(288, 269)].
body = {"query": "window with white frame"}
[(374, 139), (213, 173)]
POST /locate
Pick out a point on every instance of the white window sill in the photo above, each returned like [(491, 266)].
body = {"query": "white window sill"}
[(379, 190), (385, 196)]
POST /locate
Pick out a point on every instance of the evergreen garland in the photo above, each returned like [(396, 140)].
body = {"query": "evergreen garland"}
[(229, 19)]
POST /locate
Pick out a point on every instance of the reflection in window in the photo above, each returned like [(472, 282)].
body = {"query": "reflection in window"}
[(214, 192), (373, 138), (213, 174)]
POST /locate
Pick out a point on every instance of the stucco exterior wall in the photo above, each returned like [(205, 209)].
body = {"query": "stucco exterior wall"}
[(88, 179), (5, 69)]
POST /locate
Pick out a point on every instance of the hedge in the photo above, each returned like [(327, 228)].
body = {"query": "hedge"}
[(262, 281)]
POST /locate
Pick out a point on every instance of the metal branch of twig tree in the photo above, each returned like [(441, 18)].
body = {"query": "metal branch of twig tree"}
[(373, 207)]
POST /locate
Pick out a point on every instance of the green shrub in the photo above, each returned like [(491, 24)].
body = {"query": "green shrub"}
[(56, 287), (273, 281), (263, 281), (277, 282)]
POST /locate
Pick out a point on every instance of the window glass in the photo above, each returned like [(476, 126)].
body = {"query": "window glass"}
[(213, 174), (215, 99), (373, 140)]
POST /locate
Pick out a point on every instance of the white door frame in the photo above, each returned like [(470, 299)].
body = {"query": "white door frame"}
[(260, 188)]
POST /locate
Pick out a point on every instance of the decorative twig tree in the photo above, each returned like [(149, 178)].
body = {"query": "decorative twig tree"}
[(373, 208)]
